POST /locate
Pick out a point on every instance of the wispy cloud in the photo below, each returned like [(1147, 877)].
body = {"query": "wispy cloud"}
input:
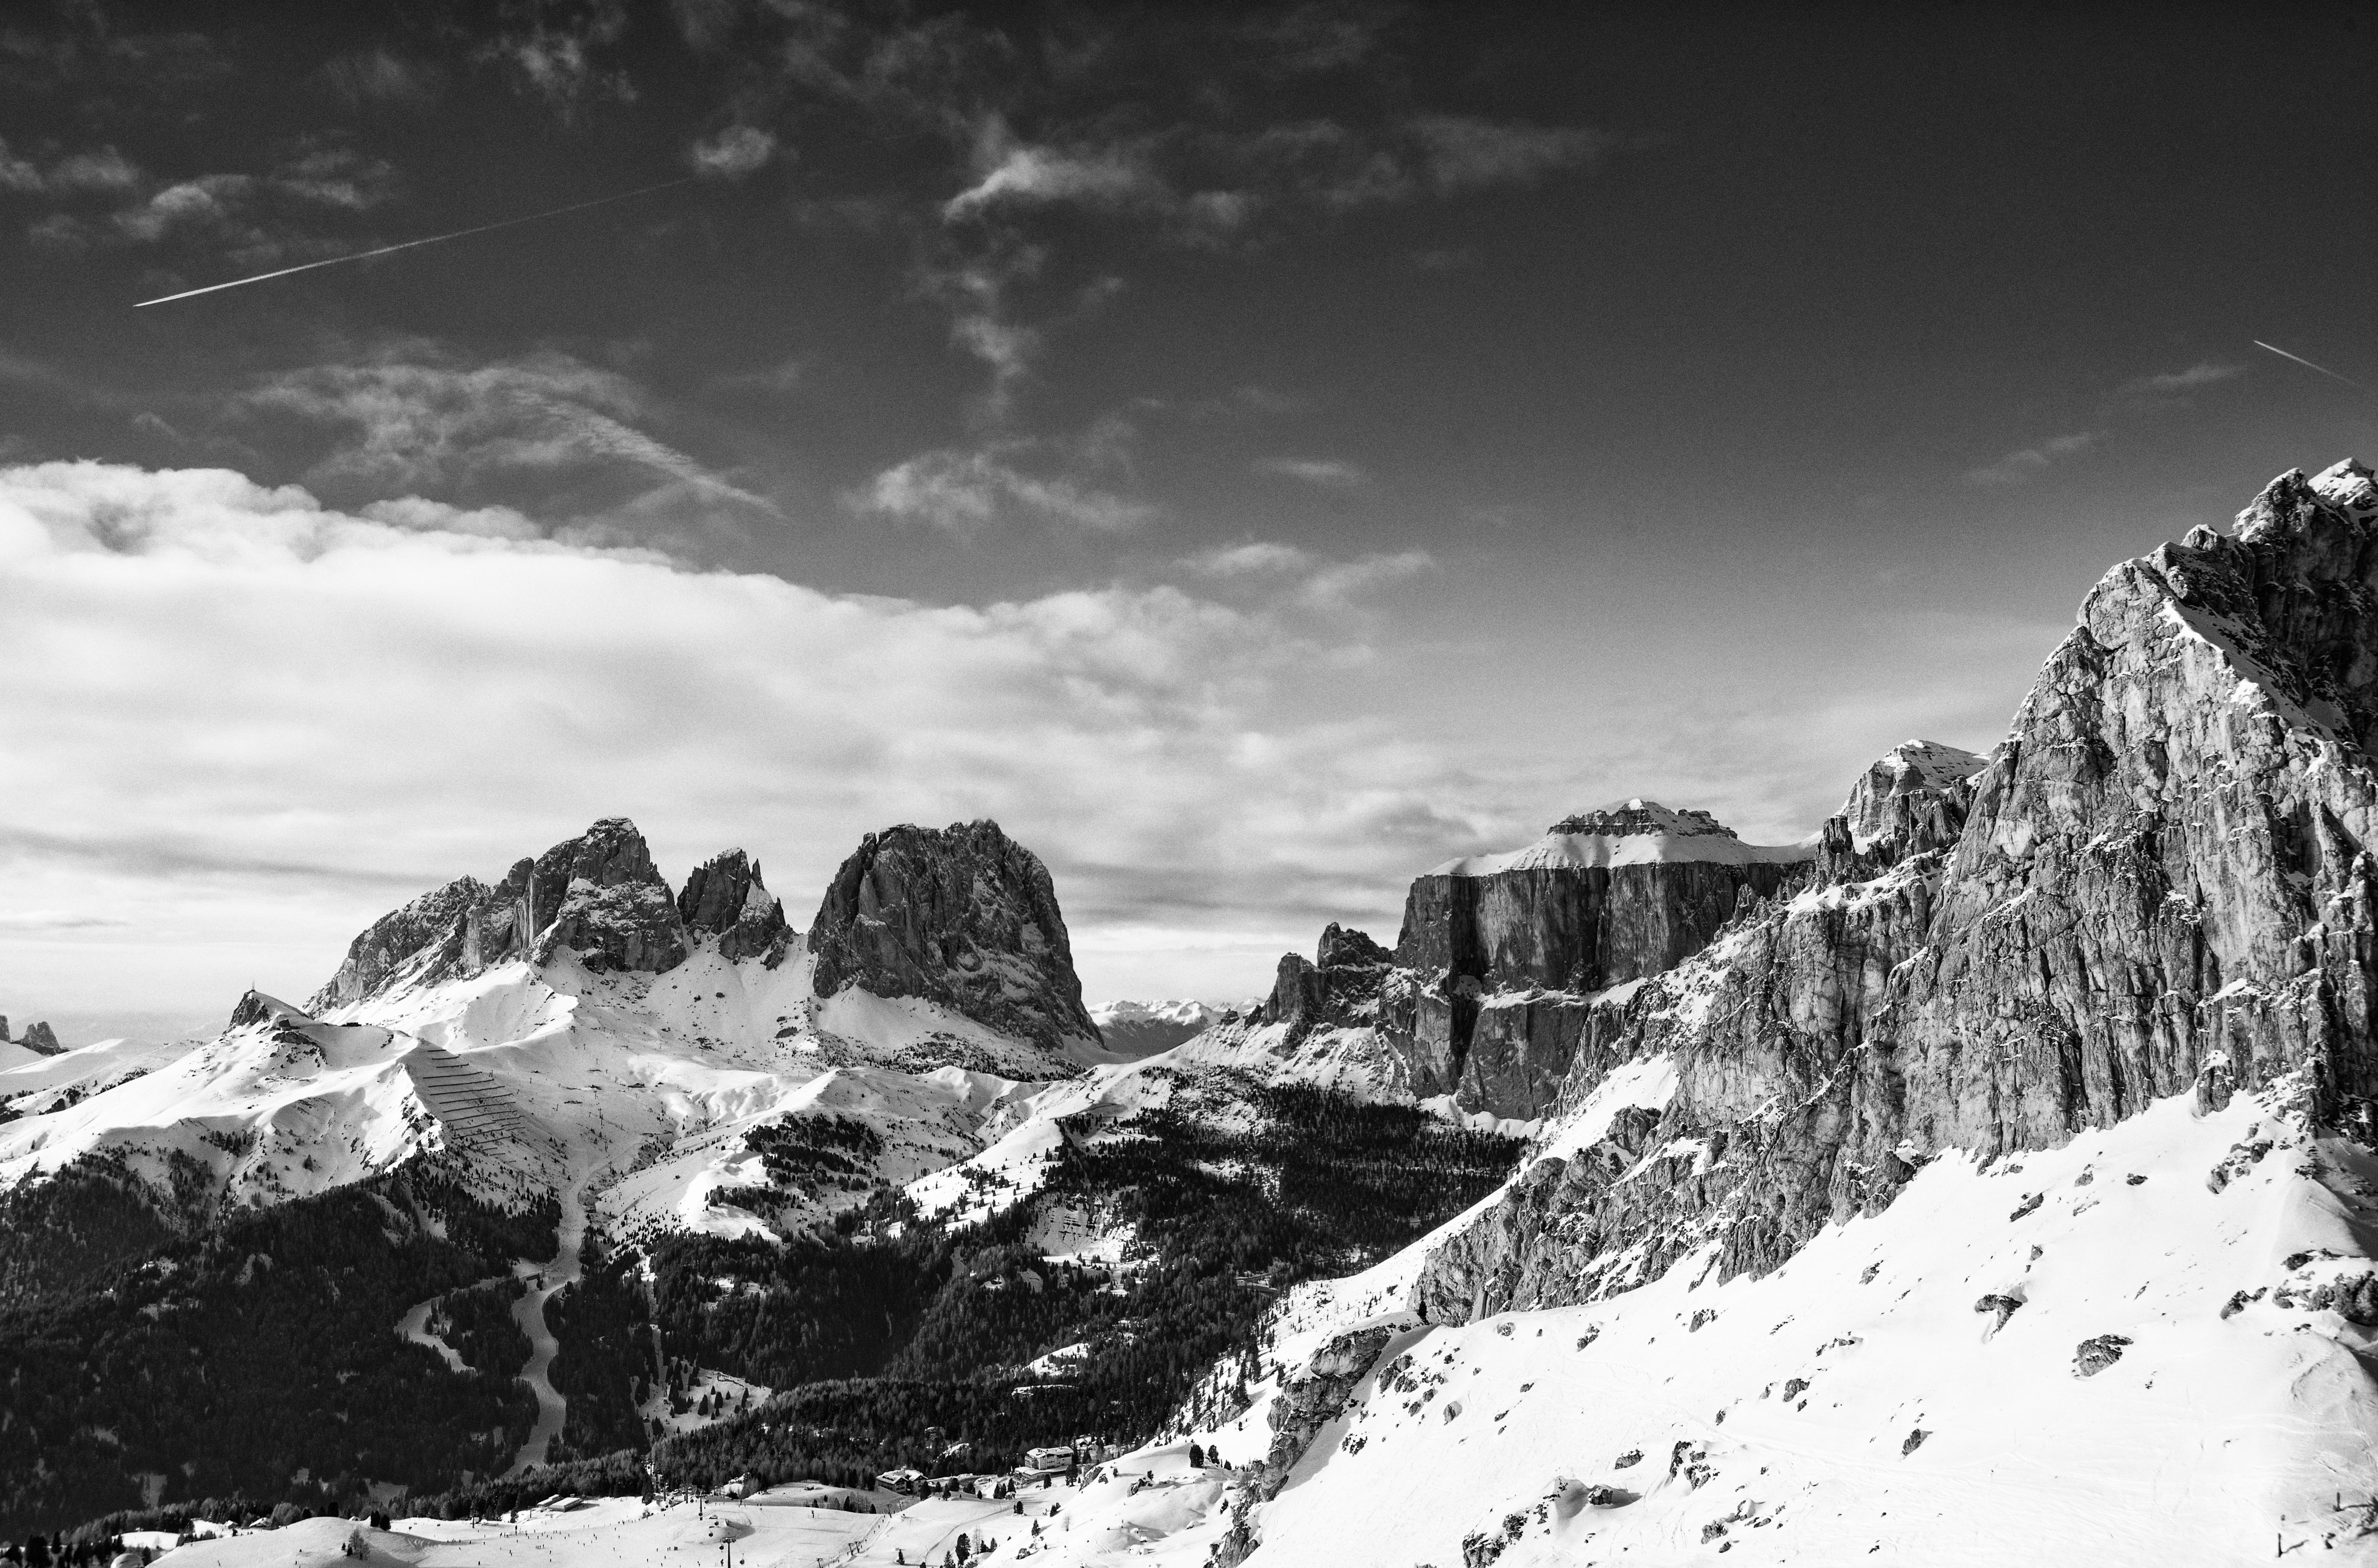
[(2178, 383), (737, 152), (964, 492), (1010, 173), (56, 920), (552, 47), (1251, 559), (412, 416), (1468, 154), (2018, 466), (1322, 473)]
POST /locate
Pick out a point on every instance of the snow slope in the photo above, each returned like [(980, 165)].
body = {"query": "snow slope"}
[(1908, 1388)]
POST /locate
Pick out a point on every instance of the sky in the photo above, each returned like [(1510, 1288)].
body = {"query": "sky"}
[(1254, 453)]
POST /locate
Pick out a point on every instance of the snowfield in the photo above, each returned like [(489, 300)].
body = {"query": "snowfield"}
[(1877, 1398)]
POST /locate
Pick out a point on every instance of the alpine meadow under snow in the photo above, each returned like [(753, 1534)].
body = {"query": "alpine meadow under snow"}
[(1989, 1178)]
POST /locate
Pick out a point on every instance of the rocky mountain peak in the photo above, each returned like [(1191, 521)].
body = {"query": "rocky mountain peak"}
[(598, 894), (1622, 817), (964, 917), (1342, 945), (725, 898), (2347, 485), (37, 1037), (1913, 799)]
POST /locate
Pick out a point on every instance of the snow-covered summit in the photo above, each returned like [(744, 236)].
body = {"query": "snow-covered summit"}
[(1143, 1028), (1629, 832), (2347, 485), (1926, 764)]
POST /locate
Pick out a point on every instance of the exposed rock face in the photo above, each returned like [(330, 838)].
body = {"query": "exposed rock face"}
[(725, 898), (610, 904), (1509, 966), (1505, 956), (2160, 884), (1340, 987), (1915, 798), (1607, 897), (964, 917), (1310, 1398), (598, 894)]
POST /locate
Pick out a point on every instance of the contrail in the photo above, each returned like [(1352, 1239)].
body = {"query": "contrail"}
[(2310, 365), (408, 245)]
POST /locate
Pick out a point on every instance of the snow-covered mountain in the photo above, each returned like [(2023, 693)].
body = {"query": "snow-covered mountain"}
[(577, 1021), (1134, 1029)]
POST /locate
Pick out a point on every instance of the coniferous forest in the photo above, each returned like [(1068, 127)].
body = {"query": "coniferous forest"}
[(253, 1363)]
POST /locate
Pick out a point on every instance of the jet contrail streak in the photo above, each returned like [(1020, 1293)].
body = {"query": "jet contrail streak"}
[(2310, 365), (408, 245)]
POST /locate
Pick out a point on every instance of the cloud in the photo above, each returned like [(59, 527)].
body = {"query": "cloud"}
[(1322, 473), (735, 153), (377, 75), (102, 169), (56, 920), (1017, 175), (2178, 383), (1466, 154), (1305, 579), (2018, 466), (1338, 584), (552, 53), (336, 176), (208, 204), (964, 492), (1254, 557), (413, 417), (252, 722)]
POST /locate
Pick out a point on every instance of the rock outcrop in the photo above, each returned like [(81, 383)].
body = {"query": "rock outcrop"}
[(2160, 882), (724, 898), (1310, 1398), (962, 916), (38, 1037), (1340, 986)]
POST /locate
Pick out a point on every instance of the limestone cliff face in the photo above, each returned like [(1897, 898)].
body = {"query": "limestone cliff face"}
[(1509, 968), (2159, 882), (598, 895), (1506, 959), (1607, 897), (964, 917)]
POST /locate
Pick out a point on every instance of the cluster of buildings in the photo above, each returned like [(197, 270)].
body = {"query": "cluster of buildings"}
[(1041, 1465)]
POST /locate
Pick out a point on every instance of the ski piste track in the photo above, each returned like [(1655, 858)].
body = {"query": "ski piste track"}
[(474, 1109), (546, 1282)]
